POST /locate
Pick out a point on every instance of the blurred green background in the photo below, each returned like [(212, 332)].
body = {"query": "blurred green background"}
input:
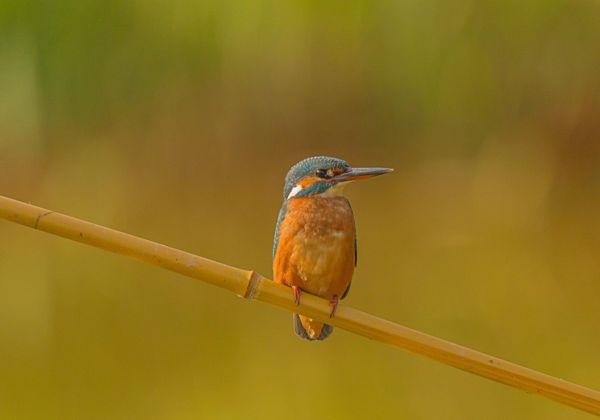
[(177, 121)]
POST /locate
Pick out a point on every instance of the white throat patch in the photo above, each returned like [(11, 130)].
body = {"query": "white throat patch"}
[(336, 190)]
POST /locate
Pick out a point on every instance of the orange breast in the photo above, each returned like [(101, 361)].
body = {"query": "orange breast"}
[(316, 246)]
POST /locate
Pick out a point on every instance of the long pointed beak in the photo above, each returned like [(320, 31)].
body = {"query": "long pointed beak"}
[(361, 173)]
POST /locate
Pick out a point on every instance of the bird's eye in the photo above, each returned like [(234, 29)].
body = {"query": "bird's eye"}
[(325, 173), (322, 173)]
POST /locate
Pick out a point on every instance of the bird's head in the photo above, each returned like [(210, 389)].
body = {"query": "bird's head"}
[(323, 175)]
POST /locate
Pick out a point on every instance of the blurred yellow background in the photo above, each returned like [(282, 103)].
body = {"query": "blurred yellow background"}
[(177, 121)]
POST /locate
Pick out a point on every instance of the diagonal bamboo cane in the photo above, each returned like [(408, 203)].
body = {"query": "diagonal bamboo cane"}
[(252, 285)]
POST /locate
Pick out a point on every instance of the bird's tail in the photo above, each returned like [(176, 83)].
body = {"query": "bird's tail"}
[(310, 329)]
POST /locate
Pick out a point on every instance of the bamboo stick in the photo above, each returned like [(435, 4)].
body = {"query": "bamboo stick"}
[(252, 285)]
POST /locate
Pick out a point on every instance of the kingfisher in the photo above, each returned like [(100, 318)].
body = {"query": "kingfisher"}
[(314, 249)]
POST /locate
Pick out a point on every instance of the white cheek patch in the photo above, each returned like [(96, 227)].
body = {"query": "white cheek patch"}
[(295, 191)]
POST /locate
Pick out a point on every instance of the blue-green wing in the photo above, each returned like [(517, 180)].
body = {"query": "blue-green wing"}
[(277, 226), (355, 246), (355, 251)]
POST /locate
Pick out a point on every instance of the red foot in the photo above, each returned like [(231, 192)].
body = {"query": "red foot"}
[(297, 293), (333, 302)]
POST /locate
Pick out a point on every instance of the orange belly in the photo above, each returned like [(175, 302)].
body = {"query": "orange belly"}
[(316, 246)]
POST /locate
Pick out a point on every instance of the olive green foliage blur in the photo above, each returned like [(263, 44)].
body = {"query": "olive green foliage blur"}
[(177, 121)]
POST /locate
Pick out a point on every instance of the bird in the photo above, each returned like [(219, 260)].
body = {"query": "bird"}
[(314, 248)]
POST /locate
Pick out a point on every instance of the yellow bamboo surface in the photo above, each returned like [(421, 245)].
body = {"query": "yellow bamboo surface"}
[(252, 285)]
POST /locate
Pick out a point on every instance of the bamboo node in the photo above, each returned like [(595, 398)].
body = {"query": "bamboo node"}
[(39, 217), (252, 286)]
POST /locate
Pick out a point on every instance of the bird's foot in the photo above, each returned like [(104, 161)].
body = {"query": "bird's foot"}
[(333, 302), (297, 293)]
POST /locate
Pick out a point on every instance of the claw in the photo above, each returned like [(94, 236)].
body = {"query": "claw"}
[(333, 302), (297, 293)]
